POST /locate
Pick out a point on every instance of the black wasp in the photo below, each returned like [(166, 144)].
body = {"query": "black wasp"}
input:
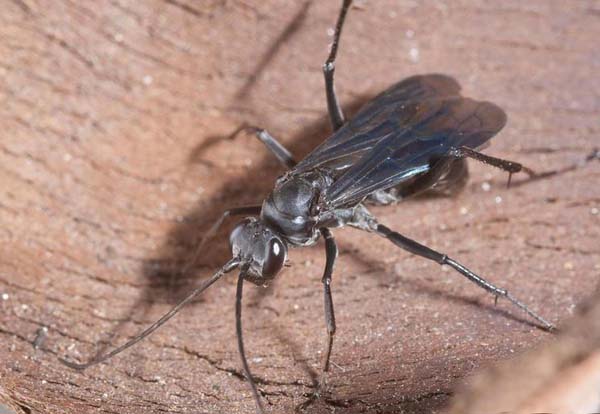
[(413, 137)]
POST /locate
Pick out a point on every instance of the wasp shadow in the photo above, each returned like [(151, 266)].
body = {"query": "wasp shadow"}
[(164, 271), (165, 279)]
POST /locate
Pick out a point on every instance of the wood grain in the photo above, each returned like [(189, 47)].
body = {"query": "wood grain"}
[(113, 166)]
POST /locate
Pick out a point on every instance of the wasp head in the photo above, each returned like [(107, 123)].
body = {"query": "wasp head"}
[(260, 248)]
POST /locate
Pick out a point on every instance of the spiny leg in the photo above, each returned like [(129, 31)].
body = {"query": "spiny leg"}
[(240, 341), (250, 210), (273, 145), (336, 115), (424, 251), (514, 167), (510, 166)]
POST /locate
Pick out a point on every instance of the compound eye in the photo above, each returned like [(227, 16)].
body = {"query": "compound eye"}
[(276, 253)]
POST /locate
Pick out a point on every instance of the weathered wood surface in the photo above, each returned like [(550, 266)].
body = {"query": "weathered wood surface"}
[(112, 168), (562, 376)]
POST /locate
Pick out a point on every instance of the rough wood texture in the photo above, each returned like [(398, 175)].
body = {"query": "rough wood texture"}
[(563, 376), (112, 168)]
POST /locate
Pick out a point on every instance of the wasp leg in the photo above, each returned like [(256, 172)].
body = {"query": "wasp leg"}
[(510, 166), (336, 115), (424, 251), (331, 252), (273, 145)]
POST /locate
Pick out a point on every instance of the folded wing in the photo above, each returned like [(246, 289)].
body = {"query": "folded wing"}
[(376, 119), (431, 129), (399, 134)]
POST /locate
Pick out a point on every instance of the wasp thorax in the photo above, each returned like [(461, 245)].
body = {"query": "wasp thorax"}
[(261, 248)]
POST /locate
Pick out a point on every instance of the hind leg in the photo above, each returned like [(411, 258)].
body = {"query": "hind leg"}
[(509, 166)]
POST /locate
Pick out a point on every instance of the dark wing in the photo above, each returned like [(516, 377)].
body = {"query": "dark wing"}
[(377, 119), (410, 139)]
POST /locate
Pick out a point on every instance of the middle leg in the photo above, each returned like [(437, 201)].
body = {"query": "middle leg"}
[(331, 252)]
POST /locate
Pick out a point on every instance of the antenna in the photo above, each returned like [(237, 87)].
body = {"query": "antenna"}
[(233, 263)]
